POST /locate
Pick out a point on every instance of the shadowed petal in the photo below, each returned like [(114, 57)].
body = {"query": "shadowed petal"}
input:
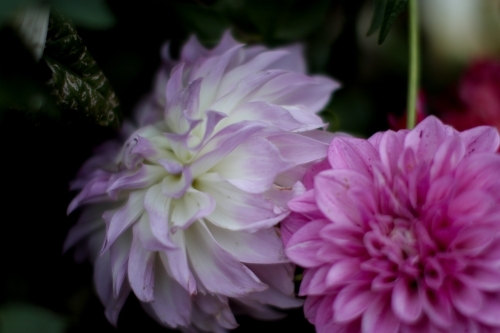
[(260, 247), (141, 269), (252, 166), (379, 317), (235, 209), (351, 302), (217, 269)]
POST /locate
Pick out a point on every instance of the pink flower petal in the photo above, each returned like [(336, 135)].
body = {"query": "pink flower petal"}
[(351, 302), (353, 154), (407, 300), (449, 154), (390, 149), (481, 139), (290, 225), (379, 317), (311, 308), (465, 298), (331, 188), (427, 136), (488, 314), (314, 281), (305, 243), (306, 205), (437, 306), (342, 272), (482, 277), (312, 171)]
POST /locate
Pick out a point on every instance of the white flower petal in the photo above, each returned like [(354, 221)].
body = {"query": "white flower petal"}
[(192, 206), (261, 247), (252, 166), (219, 271), (236, 209)]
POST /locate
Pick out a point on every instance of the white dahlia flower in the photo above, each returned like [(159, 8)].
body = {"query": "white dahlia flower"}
[(183, 213)]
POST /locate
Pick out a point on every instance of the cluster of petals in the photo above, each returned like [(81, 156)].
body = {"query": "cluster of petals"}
[(183, 211), (401, 233)]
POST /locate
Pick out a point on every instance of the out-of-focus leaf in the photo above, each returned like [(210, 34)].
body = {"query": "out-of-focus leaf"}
[(349, 111), (27, 95), (25, 318), (264, 14), (207, 23), (32, 23), (392, 10), (77, 82), (378, 16), (9, 7), (91, 14)]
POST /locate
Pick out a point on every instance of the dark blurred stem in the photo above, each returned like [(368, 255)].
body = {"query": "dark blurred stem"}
[(413, 70)]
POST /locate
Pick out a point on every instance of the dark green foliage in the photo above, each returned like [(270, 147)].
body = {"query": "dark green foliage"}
[(91, 14), (77, 82), (207, 23), (384, 14), (26, 318)]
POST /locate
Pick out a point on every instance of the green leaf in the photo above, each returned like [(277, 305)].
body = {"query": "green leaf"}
[(25, 318), (77, 82), (378, 16), (392, 10), (91, 14)]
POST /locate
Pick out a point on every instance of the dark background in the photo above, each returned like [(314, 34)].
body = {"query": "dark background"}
[(41, 149)]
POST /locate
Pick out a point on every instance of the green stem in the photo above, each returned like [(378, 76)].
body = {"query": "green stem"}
[(413, 70)]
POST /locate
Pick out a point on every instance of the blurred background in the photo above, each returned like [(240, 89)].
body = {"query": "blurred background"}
[(45, 141)]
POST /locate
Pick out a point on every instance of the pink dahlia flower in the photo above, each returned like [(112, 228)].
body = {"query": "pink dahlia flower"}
[(183, 212), (401, 233)]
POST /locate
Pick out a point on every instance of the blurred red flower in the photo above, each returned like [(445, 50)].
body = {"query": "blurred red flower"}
[(475, 100)]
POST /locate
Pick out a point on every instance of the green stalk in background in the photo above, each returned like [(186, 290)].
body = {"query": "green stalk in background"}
[(413, 69)]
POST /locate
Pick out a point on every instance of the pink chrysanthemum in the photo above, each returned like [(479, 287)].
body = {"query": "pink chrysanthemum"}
[(183, 213), (401, 233)]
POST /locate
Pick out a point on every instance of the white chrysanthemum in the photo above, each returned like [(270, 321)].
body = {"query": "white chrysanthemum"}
[(191, 200)]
